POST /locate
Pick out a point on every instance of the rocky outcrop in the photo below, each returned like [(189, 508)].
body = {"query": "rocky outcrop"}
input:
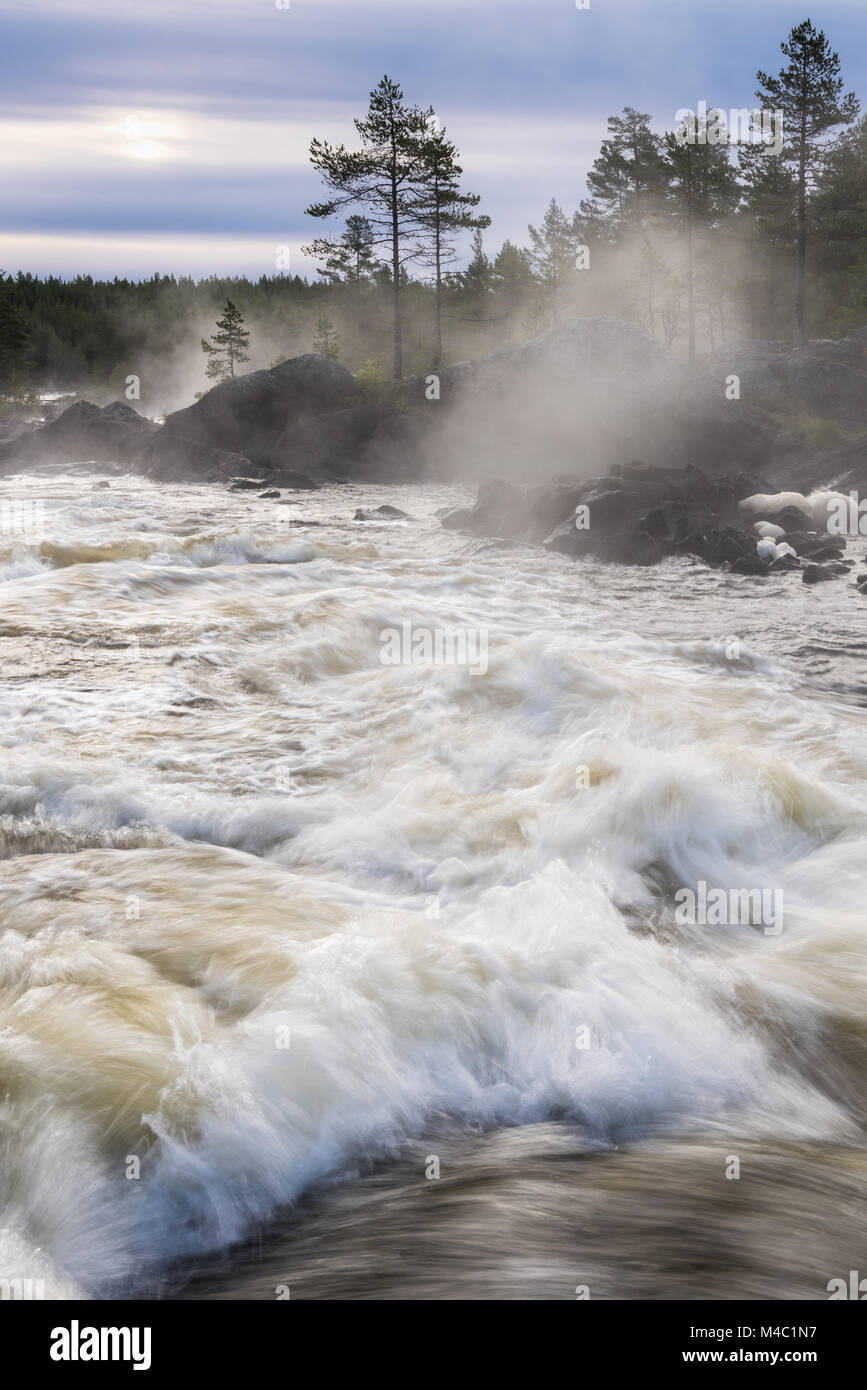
[(83, 432), (384, 513), (843, 467), (294, 426), (166, 459), (249, 414), (584, 396), (365, 441), (636, 515), (822, 377), (575, 400)]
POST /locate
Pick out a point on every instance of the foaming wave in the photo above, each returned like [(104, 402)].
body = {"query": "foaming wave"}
[(239, 1066)]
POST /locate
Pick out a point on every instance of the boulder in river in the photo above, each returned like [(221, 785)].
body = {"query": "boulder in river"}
[(248, 414), (816, 574), (83, 432), (636, 515), (383, 513)]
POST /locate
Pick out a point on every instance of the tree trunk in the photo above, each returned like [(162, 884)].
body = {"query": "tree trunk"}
[(438, 350), (802, 209), (397, 370), (802, 229), (395, 270), (690, 282)]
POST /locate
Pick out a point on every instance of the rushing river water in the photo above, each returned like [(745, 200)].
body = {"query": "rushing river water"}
[(330, 976)]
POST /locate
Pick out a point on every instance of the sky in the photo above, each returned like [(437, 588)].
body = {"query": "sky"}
[(173, 135)]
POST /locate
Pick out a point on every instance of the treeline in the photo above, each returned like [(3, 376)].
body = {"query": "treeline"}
[(698, 239)]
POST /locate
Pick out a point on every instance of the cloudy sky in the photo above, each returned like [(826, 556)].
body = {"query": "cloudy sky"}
[(172, 135)]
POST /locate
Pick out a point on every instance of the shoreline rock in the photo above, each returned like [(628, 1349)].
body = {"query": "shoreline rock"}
[(638, 514)]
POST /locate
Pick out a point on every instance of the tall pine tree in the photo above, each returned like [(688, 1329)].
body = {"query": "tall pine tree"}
[(384, 177), (809, 93), (442, 211)]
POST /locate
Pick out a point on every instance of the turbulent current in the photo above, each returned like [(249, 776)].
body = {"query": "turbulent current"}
[(363, 976)]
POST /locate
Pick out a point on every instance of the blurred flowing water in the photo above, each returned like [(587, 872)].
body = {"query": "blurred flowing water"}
[(372, 972)]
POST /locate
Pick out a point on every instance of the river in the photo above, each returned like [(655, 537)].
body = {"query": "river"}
[(332, 969)]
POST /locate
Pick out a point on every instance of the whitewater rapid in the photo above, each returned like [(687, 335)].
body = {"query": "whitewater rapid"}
[(273, 909)]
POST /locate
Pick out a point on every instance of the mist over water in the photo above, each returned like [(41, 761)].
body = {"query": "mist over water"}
[(282, 920)]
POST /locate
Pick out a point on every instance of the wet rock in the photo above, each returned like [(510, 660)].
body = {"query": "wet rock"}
[(817, 574), (633, 548), (785, 562), (458, 519), (246, 484), (748, 564), (167, 460), (248, 414), (790, 519), (383, 513), (374, 442), (83, 432), (267, 496), (728, 542), (636, 517), (826, 551)]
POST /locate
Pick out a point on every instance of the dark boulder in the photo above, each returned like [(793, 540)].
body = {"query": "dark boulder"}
[(245, 484), (383, 513), (785, 562), (790, 519), (248, 414), (269, 495), (750, 564), (826, 552), (636, 517), (567, 539), (632, 548), (166, 460), (375, 442), (84, 432), (816, 574), (729, 542)]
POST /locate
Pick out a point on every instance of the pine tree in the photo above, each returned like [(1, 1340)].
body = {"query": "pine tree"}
[(476, 282), (13, 336), (351, 257), (442, 211), (651, 279), (326, 340), (768, 220), (553, 250), (512, 275), (703, 190), (838, 220), (809, 93), (227, 346), (384, 176), (627, 180)]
